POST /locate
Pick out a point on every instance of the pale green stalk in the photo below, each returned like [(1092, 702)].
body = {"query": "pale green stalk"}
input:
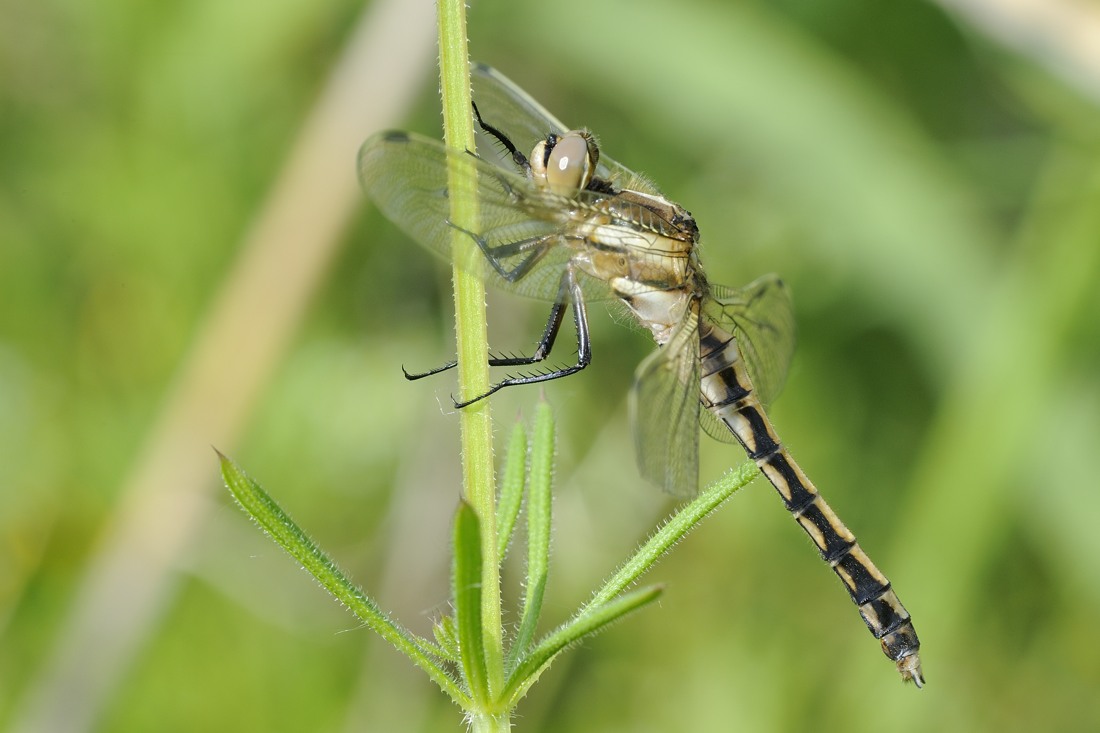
[(472, 338)]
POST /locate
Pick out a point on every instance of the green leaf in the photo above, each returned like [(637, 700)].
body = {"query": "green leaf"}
[(446, 636), (511, 488), (529, 669), (276, 523), (467, 601), (538, 528), (607, 605), (679, 524)]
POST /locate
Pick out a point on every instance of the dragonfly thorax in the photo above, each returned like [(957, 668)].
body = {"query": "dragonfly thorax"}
[(643, 246)]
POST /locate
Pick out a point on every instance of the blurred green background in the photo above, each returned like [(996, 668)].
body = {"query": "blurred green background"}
[(931, 195)]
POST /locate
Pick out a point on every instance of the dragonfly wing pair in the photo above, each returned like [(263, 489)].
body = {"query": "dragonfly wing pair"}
[(524, 245), (664, 402), (761, 316), (406, 177)]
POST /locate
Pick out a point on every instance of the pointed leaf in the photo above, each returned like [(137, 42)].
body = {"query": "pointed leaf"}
[(467, 601), (529, 669), (538, 528), (288, 535), (679, 524), (446, 636), (511, 488)]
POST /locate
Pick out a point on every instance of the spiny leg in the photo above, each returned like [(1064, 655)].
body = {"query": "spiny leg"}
[(411, 376), (542, 349), (569, 289), (517, 157), (533, 247)]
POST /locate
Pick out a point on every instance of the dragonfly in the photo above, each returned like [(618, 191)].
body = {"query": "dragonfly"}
[(560, 221)]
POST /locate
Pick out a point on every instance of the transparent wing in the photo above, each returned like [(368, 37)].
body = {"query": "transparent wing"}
[(760, 315), (664, 407), (514, 112), (511, 110), (715, 428), (520, 227), (525, 234)]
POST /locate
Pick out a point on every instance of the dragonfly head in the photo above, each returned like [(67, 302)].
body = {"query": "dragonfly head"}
[(565, 163)]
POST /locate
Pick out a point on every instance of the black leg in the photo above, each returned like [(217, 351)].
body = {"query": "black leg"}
[(571, 290), (533, 247), (420, 375), (517, 157), (542, 349)]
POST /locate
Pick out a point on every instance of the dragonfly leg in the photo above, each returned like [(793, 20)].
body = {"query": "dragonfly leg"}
[(570, 290), (435, 370), (534, 247), (542, 349), (517, 157)]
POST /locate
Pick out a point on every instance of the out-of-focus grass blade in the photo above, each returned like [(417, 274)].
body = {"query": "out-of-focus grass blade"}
[(1019, 343)]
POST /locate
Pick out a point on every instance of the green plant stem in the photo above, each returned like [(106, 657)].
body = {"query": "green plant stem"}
[(489, 723), (472, 337)]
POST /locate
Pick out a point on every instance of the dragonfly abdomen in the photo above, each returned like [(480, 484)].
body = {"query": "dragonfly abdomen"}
[(727, 392)]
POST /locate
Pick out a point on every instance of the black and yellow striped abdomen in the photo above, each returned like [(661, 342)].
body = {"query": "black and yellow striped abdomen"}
[(727, 392)]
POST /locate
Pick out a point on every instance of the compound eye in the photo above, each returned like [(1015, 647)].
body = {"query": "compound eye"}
[(569, 166)]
